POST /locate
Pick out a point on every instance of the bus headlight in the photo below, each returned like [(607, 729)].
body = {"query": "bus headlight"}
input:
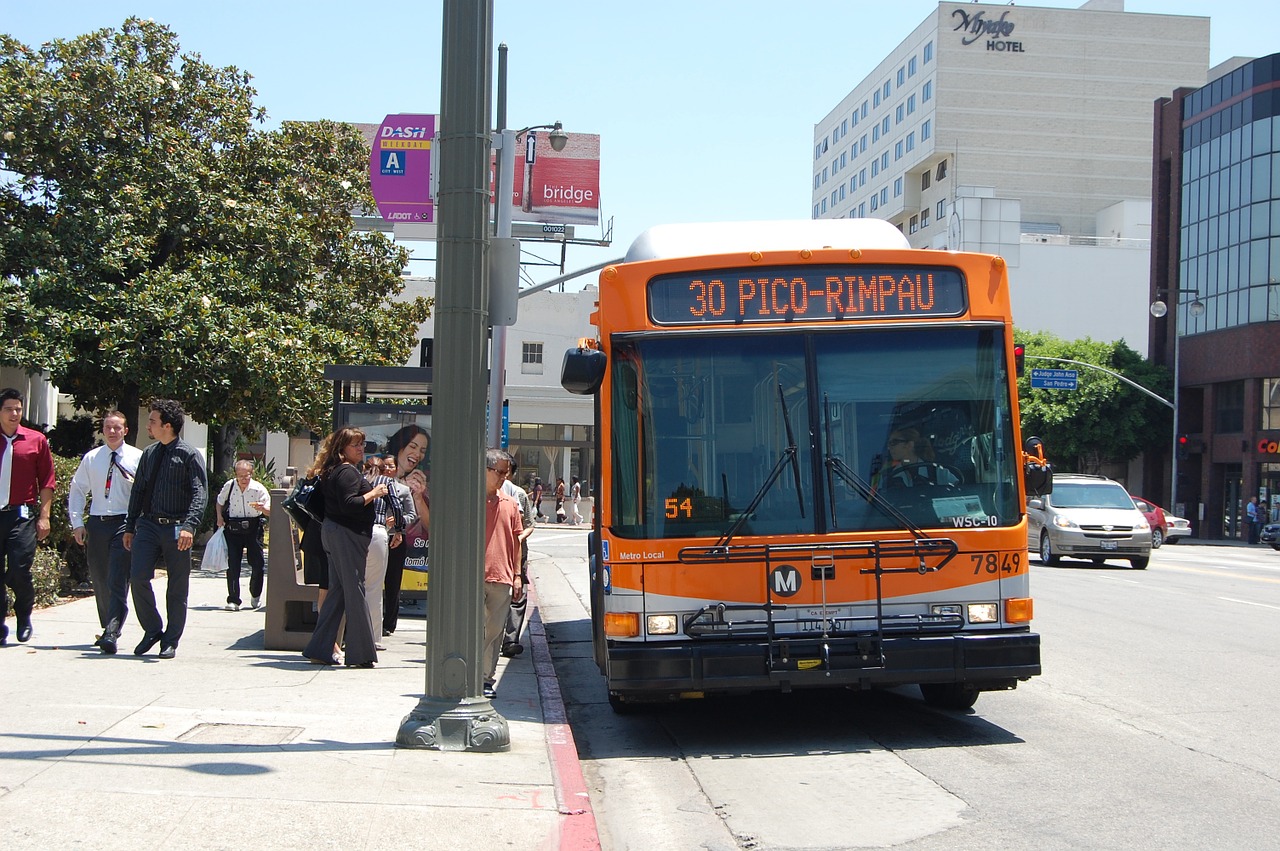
[(660, 624), (944, 609), (983, 613)]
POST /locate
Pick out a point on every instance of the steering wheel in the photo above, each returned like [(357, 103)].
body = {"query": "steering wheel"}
[(929, 471)]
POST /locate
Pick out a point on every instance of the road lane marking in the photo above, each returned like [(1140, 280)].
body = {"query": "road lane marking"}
[(1217, 572), (1250, 603)]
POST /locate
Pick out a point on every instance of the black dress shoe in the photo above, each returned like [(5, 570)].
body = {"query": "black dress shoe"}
[(168, 651), (147, 642), (4, 634), (359, 665), (24, 632), (107, 644), (512, 650)]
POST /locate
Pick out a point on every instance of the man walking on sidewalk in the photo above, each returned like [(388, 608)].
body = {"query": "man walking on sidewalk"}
[(105, 480), (26, 494), (165, 508)]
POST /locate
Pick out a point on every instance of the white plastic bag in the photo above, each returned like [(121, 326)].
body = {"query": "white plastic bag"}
[(215, 554)]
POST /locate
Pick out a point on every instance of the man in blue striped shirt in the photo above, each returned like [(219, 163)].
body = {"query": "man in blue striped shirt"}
[(166, 506)]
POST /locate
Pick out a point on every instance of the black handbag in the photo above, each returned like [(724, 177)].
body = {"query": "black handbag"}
[(304, 503)]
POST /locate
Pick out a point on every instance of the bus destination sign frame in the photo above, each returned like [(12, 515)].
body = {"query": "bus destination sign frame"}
[(806, 293)]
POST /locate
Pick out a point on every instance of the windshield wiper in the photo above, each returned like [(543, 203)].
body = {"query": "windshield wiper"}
[(837, 467), (791, 453)]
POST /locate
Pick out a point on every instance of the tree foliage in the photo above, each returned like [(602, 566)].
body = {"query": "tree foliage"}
[(155, 241), (1104, 419)]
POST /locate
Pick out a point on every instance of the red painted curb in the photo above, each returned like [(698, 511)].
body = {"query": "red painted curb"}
[(578, 830)]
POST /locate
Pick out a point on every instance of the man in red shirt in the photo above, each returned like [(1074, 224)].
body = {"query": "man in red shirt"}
[(503, 527), (26, 494)]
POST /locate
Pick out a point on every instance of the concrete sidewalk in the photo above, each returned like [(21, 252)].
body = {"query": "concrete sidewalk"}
[(233, 746)]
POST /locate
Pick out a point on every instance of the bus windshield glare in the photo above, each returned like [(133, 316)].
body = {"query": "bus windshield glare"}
[(919, 420)]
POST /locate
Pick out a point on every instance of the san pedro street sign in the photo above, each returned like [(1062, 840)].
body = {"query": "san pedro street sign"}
[(1054, 379)]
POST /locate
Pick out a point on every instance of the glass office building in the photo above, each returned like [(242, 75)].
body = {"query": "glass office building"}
[(1216, 244)]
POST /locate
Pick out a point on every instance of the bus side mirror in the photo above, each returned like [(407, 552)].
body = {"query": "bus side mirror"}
[(1037, 473), (583, 371)]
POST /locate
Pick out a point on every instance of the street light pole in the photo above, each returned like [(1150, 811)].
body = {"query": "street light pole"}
[(1160, 310), (451, 716), (505, 184)]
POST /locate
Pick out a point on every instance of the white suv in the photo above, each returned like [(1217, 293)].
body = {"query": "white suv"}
[(1089, 517)]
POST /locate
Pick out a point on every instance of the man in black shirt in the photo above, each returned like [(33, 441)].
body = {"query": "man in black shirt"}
[(170, 491)]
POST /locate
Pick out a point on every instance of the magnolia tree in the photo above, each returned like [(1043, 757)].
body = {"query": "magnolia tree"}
[(157, 241)]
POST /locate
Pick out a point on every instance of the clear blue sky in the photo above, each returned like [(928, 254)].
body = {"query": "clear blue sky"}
[(705, 108)]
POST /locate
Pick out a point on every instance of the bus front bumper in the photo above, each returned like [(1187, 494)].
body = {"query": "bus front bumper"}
[(985, 661)]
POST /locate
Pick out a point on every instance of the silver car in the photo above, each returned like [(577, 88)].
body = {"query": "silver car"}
[(1087, 517)]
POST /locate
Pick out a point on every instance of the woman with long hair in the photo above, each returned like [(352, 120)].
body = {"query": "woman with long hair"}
[(405, 451), (346, 533)]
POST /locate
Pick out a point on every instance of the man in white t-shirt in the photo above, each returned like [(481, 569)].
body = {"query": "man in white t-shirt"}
[(242, 506)]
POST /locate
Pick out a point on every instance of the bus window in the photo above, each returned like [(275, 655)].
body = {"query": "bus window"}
[(706, 431)]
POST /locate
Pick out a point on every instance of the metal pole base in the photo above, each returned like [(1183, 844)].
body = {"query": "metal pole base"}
[(470, 724)]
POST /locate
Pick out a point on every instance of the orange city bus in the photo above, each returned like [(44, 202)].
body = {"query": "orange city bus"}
[(809, 470)]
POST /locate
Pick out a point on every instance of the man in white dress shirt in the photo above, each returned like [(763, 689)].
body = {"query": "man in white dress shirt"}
[(105, 479)]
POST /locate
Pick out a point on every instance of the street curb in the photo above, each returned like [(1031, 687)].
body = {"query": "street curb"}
[(578, 831)]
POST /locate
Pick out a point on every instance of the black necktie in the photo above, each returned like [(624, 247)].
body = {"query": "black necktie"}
[(111, 468)]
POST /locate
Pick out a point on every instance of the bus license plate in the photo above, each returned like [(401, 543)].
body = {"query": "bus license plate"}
[(1109, 545)]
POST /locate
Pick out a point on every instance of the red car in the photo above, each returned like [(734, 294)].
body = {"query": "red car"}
[(1155, 516)]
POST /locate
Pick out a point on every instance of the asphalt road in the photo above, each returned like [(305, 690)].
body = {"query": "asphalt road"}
[(1155, 725)]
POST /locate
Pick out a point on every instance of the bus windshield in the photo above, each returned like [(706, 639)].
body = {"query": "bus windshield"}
[(892, 425)]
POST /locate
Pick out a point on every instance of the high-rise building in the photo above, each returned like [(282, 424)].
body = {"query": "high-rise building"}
[(1216, 270), (1021, 131)]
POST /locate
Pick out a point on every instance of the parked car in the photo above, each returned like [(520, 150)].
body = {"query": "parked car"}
[(1156, 518), (1089, 517), (1271, 535), (1179, 527)]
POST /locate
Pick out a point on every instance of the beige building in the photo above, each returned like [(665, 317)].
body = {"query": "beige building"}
[(1021, 131)]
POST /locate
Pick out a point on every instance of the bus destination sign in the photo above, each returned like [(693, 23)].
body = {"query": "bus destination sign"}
[(805, 293)]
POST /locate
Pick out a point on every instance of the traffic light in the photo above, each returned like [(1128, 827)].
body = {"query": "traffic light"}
[(1184, 447), (1019, 358)]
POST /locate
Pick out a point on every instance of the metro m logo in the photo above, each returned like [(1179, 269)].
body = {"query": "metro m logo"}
[(785, 580)]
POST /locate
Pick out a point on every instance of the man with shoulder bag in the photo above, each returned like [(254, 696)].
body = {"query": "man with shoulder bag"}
[(242, 506)]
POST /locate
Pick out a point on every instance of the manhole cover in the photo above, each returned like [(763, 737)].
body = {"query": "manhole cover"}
[(239, 734)]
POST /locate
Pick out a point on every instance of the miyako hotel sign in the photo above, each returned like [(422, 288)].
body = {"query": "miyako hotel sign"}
[(994, 32)]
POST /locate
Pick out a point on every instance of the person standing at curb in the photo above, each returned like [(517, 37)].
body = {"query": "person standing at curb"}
[(165, 509), (104, 479), (27, 481), (502, 530), (241, 505), (511, 645)]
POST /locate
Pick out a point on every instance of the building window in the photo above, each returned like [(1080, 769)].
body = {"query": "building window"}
[(911, 104), (853, 183), (928, 53), (531, 358), (875, 167), (862, 177), (864, 109), (899, 114), (863, 144), (925, 179), (886, 89), (841, 191), (897, 188), (925, 130), (1271, 403), (875, 202), (924, 217), (884, 161), (902, 77), (862, 210), (824, 205), (942, 210), (815, 181), (875, 98), (915, 223), (942, 170), (911, 67), (884, 195), (875, 133), (897, 150), (884, 126), (854, 122), (844, 128), (1229, 401), (911, 142), (844, 158), (926, 91)]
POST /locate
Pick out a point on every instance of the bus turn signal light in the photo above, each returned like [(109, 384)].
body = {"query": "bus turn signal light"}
[(622, 624), (1018, 610)]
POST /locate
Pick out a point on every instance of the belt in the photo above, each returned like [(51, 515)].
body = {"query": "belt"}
[(106, 517), (17, 506), (164, 521)]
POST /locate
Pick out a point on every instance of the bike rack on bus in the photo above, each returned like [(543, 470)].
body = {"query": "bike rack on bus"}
[(854, 642)]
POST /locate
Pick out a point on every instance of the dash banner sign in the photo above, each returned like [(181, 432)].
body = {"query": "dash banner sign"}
[(400, 168)]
